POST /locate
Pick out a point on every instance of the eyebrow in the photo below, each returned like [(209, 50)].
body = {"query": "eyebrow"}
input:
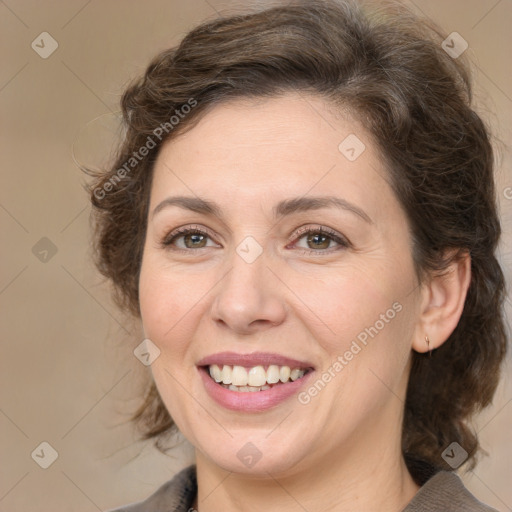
[(282, 209)]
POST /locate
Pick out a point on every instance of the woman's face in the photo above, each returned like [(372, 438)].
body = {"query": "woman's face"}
[(250, 288)]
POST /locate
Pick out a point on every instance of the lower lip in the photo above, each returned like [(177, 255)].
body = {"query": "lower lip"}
[(251, 401)]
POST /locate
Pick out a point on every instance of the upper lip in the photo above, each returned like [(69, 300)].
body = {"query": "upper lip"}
[(250, 360)]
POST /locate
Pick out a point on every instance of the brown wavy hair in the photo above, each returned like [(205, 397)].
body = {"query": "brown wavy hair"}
[(387, 66)]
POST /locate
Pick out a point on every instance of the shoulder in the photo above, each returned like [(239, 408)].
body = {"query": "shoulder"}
[(176, 495), (445, 491)]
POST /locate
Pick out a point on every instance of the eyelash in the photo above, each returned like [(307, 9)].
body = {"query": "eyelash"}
[(322, 230)]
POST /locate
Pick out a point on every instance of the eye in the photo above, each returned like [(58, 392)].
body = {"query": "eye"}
[(319, 239), (191, 238)]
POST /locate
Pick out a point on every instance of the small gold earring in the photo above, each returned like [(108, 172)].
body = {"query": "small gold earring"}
[(428, 345)]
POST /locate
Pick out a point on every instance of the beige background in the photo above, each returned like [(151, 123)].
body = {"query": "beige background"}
[(67, 372)]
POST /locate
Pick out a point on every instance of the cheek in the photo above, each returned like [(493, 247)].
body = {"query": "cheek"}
[(167, 301), (167, 308), (345, 302)]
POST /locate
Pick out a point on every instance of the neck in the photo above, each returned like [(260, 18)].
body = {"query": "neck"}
[(367, 473)]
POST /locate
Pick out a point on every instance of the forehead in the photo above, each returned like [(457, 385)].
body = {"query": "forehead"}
[(288, 145)]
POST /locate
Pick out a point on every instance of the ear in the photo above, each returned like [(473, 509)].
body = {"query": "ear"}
[(442, 303)]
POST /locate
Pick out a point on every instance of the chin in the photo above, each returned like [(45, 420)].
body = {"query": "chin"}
[(255, 453)]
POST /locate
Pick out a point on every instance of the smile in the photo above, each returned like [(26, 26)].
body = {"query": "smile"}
[(252, 382), (257, 378)]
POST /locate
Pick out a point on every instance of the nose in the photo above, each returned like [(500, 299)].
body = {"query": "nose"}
[(249, 297)]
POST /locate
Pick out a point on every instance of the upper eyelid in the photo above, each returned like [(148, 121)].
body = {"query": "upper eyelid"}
[(297, 234), (182, 231), (297, 231)]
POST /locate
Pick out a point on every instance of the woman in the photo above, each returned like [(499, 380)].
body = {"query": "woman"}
[(302, 214)]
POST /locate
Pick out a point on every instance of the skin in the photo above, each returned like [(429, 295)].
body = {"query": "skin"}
[(341, 451)]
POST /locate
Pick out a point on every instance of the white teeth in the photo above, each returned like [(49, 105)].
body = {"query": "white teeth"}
[(296, 373), (273, 374), (215, 373), (255, 378), (239, 376), (284, 373), (245, 389), (226, 374)]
